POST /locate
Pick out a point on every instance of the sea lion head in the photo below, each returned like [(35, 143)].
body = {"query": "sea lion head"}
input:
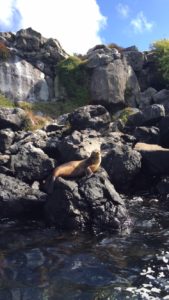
[(95, 156)]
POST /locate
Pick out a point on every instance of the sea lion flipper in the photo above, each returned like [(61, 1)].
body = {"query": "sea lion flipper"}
[(88, 171)]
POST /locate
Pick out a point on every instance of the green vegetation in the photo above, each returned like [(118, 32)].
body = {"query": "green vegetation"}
[(50, 109), (5, 102), (114, 45), (74, 77), (125, 113), (161, 49), (4, 51)]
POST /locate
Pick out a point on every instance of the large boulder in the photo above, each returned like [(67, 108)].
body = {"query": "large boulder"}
[(13, 118), (150, 135), (162, 97), (19, 200), (78, 145), (155, 159), (114, 85), (146, 98), (147, 117), (90, 116), (122, 163), (90, 203), (134, 57), (31, 163), (101, 55), (19, 80)]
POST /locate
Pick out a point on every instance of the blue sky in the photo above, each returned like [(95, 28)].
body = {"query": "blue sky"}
[(81, 24), (138, 22)]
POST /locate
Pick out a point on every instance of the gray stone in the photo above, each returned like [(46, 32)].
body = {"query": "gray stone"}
[(6, 139), (114, 84), (31, 163), (150, 135), (148, 116), (89, 204), (18, 200), (146, 98), (13, 118), (155, 159), (122, 163), (19, 80), (90, 116), (134, 58), (162, 97)]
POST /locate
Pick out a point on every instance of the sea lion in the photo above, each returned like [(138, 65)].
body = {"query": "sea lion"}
[(74, 168)]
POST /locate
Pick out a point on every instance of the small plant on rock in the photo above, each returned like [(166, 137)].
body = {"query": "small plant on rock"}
[(4, 51)]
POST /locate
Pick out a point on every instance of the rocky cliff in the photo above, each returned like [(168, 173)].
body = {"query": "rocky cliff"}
[(27, 72), (30, 71)]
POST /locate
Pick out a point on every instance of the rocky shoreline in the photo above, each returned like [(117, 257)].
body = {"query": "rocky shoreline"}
[(133, 160)]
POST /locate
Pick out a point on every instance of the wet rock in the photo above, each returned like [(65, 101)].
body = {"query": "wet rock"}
[(155, 159), (122, 163), (12, 118), (31, 163), (18, 199), (91, 203), (90, 116)]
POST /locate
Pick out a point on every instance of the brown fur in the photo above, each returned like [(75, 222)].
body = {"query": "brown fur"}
[(74, 169)]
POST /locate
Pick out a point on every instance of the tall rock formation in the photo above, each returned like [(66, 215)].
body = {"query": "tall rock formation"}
[(28, 71)]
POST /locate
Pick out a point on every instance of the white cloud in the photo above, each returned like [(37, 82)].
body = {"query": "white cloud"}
[(140, 23), (75, 23), (123, 10)]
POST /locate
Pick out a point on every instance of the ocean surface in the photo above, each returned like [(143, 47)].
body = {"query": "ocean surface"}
[(39, 263)]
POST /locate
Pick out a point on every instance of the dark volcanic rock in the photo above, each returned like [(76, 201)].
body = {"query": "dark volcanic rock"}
[(31, 163), (150, 135), (122, 164), (90, 116), (155, 159), (6, 139), (91, 203), (164, 131), (148, 116), (162, 97), (12, 118), (19, 200)]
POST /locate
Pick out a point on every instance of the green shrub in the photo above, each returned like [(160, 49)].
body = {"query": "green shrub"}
[(74, 78), (125, 113), (161, 49)]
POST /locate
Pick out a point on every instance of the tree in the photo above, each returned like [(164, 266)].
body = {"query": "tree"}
[(161, 49)]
